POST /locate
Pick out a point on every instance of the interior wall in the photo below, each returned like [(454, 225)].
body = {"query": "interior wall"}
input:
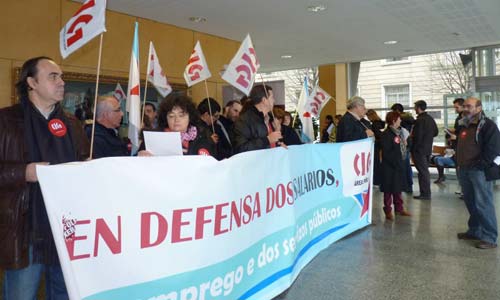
[(31, 28)]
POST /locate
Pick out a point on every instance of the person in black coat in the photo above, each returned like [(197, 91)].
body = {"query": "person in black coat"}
[(393, 154), (290, 137), (351, 126), (107, 142), (423, 133), (177, 113), (256, 129)]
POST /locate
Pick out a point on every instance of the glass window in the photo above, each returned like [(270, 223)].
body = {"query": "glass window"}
[(397, 94), (396, 59)]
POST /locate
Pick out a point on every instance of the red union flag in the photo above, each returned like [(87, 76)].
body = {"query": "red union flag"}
[(86, 23), (241, 71), (155, 73), (197, 68), (317, 100)]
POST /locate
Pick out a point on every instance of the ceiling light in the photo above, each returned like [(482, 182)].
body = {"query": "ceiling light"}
[(197, 19), (286, 56), (390, 42), (316, 8)]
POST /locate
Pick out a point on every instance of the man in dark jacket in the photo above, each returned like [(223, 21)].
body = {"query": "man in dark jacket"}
[(225, 128), (478, 150), (107, 142), (352, 126), (34, 132), (423, 133), (255, 129)]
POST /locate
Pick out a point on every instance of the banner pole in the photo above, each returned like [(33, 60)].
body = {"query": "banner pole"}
[(146, 86), (95, 97), (209, 106)]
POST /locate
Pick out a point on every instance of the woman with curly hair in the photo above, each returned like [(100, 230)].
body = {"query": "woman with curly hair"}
[(177, 113)]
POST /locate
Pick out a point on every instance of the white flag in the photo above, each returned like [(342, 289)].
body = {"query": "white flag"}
[(317, 100), (119, 94), (305, 115), (88, 22), (133, 95), (242, 69), (155, 73), (197, 68)]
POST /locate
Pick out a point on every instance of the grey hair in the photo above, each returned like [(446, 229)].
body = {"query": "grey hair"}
[(355, 101), (103, 105)]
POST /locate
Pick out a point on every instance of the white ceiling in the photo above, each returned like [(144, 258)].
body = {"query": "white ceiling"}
[(348, 30)]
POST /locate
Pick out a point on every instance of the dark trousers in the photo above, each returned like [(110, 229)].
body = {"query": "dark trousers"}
[(424, 177)]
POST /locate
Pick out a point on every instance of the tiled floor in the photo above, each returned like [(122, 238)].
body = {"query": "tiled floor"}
[(416, 257)]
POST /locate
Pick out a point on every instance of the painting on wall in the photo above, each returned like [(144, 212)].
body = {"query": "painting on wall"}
[(79, 91)]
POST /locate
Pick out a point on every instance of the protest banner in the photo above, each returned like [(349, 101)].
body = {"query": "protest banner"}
[(197, 228)]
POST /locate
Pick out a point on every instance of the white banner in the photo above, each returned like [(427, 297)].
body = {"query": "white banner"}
[(242, 69), (197, 67), (241, 228), (88, 22), (155, 73)]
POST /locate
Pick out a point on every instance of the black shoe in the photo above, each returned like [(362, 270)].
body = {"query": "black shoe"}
[(485, 245), (440, 180), (466, 236), (420, 197)]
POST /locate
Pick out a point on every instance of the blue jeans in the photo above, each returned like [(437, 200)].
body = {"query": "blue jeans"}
[(478, 198), (444, 161), (23, 284)]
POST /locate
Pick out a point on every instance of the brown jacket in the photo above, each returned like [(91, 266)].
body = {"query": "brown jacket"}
[(14, 202)]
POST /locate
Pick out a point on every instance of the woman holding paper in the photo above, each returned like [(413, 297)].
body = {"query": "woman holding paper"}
[(177, 113)]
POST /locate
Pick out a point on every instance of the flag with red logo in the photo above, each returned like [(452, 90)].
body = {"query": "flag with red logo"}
[(197, 68), (305, 115), (317, 100), (119, 94), (133, 94), (155, 73), (87, 23), (242, 69)]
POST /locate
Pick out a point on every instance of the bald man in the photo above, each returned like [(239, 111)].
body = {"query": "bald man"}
[(107, 143), (478, 146)]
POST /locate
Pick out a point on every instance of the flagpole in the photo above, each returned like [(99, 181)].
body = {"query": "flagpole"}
[(146, 85), (95, 97), (209, 106)]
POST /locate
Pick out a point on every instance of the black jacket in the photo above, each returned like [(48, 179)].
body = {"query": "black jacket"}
[(488, 138), (290, 137), (15, 202), (250, 131), (350, 129), (393, 167), (224, 146), (107, 143), (423, 133)]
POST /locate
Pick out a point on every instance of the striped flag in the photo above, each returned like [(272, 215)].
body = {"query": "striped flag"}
[(133, 95), (305, 115)]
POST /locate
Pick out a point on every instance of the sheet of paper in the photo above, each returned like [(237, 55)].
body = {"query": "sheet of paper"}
[(163, 143)]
